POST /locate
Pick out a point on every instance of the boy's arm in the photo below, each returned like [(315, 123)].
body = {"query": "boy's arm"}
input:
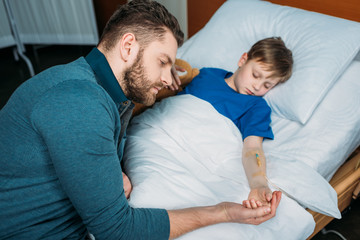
[(254, 163)]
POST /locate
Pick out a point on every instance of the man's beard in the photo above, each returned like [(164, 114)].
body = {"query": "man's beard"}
[(137, 84)]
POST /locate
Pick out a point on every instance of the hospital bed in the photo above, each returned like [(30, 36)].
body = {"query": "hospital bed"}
[(182, 153)]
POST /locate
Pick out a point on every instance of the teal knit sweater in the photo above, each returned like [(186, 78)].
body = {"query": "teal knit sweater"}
[(60, 172)]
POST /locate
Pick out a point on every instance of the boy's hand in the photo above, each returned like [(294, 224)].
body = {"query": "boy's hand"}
[(258, 197)]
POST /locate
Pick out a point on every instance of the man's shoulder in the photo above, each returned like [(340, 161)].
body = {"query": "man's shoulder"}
[(74, 80), (78, 69)]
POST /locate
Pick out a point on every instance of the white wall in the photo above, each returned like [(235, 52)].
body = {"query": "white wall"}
[(6, 37), (179, 9), (55, 22)]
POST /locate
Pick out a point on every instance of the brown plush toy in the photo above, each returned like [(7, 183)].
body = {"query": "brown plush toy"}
[(185, 79)]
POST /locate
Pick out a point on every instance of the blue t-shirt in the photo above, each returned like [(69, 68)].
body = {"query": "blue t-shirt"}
[(251, 114)]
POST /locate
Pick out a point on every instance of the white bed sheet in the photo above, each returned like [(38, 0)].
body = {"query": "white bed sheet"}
[(171, 165), (182, 153)]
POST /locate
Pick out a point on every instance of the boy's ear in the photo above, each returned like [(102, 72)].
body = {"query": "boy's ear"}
[(243, 59)]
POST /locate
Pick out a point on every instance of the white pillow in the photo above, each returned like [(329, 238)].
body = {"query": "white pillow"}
[(322, 46)]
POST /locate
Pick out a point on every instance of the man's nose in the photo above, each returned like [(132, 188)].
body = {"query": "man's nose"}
[(166, 78)]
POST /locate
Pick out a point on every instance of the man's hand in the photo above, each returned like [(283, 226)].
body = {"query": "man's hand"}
[(175, 77), (241, 214), (127, 185), (186, 220)]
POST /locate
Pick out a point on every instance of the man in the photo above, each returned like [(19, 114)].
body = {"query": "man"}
[(61, 140)]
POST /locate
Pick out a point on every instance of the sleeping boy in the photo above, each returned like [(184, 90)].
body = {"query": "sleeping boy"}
[(238, 96)]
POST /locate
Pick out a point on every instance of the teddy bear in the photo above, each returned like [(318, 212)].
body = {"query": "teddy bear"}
[(185, 79)]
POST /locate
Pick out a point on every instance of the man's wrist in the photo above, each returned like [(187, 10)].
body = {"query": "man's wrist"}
[(186, 220), (213, 214)]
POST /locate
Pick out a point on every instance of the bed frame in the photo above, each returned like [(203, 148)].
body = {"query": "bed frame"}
[(346, 181), (200, 11)]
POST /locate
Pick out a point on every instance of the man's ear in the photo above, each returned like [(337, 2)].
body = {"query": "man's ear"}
[(128, 46), (243, 59)]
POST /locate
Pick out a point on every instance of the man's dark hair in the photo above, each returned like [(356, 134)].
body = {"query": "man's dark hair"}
[(147, 20)]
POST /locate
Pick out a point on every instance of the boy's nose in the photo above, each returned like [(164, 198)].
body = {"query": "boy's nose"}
[(257, 86)]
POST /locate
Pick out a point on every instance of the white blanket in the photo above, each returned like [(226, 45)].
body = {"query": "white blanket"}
[(183, 153)]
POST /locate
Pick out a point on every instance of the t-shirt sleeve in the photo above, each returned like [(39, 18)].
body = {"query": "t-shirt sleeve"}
[(198, 84), (77, 124), (256, 121)]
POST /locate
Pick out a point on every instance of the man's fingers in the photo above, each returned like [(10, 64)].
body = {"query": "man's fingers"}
[(180, 69), (261, 212), (175, 76), (275, 201)]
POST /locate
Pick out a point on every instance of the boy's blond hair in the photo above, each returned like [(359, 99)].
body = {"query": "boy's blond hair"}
[(275, 55)]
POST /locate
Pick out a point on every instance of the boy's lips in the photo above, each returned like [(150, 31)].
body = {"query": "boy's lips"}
[(249, 92)]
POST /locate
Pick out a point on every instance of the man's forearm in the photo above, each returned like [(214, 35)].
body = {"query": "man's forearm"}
[(186, 220)]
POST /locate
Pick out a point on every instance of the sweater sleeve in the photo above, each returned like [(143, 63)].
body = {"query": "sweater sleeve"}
[(77, 122)]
